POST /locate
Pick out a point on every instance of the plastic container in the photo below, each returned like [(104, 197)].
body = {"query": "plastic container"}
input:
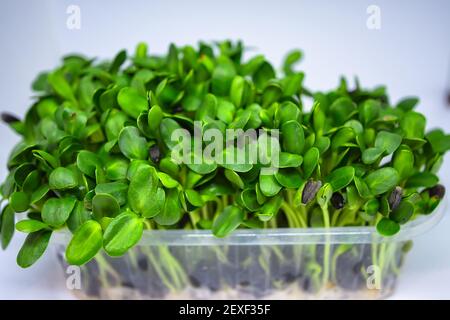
[(314, 263)]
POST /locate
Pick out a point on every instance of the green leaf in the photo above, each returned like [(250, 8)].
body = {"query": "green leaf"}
[(236, 164), (371, 207), (32, 182), (117, 169), (290, 60), (439, 141), (403, 162), (369, 111), (322, 144), (62, 179), (222, 76), (403, 212), (22, 172), (134, 167), (155, 116), (240, 120), (249, 199), (272, 92), (114, 124), (194, 198), (387, 227), (78, 216), (116, 189), (289, 178), (413, 125), (60, 85), (123, 232), (107, 98), (34, 246), (143, 194), (30, 225), (19, 201), (293, 137), (371, 155), (9, 185), (407, 104), (310, 162), (132, 102), (422, 179), (225, 110), (167, 127), (289, 160), (208, 108), (269, 185), (167, 181), (227, 221), (234, 178), (88, 162), (342, 138), (292, 84), (341, 110), (56, 211), (85, 243), (141, 50), (341, 177), (104, 205), (263, 74), (7, 219), (270, 208), (40, 82), (157, 205), (171, 212), (362, 187), (382, 180), (288, 111), (238, 93), (387, 141), (132, 144), (40, 193), (119, 59)]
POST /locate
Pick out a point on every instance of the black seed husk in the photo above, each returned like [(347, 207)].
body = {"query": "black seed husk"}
[(395, 197), (310, 190), (9, 118), (337, 200), (155, 153), (438, 191), (178, 109)]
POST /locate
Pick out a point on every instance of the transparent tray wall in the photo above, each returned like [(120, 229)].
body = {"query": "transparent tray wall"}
[(243, 272), (336, 263)]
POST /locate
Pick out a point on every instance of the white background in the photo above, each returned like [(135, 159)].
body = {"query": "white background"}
[(410, 54)]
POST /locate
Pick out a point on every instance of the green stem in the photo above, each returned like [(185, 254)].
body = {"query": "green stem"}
[(335, 217), (205, 212), (327, 247), (288, 215), (225, 201), (156, 264), (381, 260), (297, 220)]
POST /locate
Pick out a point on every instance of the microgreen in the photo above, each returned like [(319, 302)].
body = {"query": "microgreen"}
[(96, 152)]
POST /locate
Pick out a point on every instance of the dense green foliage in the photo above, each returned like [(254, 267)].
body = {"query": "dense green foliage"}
[(95, 153)]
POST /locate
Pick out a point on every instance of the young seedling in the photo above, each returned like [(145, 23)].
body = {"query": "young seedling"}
[(96, 154)]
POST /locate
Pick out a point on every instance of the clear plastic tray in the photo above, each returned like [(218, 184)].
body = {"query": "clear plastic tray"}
[(314, 263)]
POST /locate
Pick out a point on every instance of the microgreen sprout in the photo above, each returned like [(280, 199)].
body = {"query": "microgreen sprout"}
[(97, 142)]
